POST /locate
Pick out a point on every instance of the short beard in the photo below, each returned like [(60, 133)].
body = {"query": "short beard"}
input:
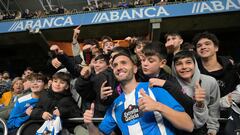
[(126, 81)]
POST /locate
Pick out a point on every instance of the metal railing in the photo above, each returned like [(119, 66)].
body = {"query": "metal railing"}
[(69, 120), (3, 123), (237, 131)]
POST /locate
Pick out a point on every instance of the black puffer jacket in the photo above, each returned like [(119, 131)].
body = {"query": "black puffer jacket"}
[(49, 100)]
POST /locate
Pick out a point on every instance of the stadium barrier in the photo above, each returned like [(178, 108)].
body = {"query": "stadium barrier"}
[(3, 127), (69, 120)]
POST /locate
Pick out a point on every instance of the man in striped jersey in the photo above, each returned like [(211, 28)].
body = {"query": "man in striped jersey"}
[(139, 109)]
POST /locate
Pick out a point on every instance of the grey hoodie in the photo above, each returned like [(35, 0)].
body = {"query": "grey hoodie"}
[(211, 112)]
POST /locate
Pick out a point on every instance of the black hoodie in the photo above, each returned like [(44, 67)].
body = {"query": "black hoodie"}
[(226, 77)]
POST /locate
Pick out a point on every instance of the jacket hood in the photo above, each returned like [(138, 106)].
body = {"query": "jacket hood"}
[(188, 87)]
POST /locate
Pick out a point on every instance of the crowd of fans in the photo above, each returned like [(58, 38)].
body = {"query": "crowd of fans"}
[(198, 89), (187, 88), (27, 14), (92, 6)]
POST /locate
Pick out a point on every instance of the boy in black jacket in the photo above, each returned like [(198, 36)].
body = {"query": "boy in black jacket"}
[(87, 84), (57, 100), (153, 61), (219, 67)]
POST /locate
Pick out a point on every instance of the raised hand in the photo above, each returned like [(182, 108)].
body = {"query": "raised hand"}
[(88, 115), (56, 49), (76, 32), (85, 72), (56, 63), (156, 82), (146, 103), (77, 28), (117, 44), (105, 91), (200, 95), (128, 38)]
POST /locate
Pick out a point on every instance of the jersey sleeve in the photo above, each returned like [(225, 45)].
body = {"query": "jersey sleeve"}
[(12, 117), (108, 124), (15, 120), (164, 97)]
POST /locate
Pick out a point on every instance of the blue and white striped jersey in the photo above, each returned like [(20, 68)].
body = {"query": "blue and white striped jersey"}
[(18, 116), (125, 114)]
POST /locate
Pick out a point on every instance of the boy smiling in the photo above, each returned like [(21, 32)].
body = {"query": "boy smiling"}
[(204, 89)]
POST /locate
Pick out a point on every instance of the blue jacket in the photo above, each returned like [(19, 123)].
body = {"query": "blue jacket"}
[(18, 116)]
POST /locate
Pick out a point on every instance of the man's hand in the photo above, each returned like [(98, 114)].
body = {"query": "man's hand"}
[(47, 116), (200, 95), (56, 63), (230, 101), (105, 91), (131, 39), (88, 115), (89, 47), (76, 32), (156, 82), (85, 72), (56, 112), (117, 44), (146, 103), (56, 49), (29, 110)]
